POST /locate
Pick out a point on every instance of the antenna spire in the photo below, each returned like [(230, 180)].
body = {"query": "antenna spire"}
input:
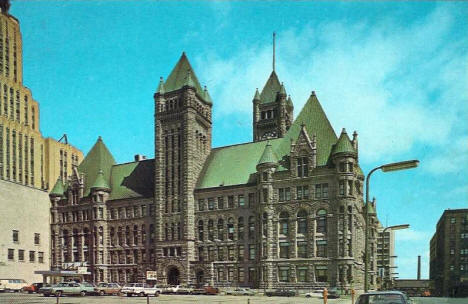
[(274, 47)]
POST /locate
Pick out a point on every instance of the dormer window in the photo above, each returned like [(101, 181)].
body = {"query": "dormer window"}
[(302, 166)]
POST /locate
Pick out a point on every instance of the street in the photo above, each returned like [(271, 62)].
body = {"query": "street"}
[(10, 298)]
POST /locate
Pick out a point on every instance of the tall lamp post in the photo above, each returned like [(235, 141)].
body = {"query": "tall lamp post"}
[(395, 227), (385, 168)]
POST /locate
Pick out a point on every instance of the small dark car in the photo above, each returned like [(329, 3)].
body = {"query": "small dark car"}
[(390, 297), (280, 293)]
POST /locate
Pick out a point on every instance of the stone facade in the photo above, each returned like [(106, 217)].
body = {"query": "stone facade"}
[(449, 254), (283, 210)]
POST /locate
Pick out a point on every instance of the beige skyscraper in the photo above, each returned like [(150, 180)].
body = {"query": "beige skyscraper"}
[(25, 156)]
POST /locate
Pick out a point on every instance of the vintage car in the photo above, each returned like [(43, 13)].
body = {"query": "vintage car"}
[(384, 297), (46, 289), (140, 289), (12, 284), (72, 289), (207, 290), (33, 287), (241, 292), (103, 289), (280, 292)]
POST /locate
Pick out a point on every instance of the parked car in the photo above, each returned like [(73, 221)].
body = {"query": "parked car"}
[(315, 293), (184, 289), (72, 288), (393, 297), (140, 289), (12, 285), (46, 289), (207, 290), (33, 287), (334, 293), (241, 292), (280, 292), (103, 289)]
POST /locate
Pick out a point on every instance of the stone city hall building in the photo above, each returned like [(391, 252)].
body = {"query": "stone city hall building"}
[(283, 210)]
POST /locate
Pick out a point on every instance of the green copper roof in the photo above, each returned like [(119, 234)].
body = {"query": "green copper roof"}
[(182, 75), (344, 144), (98, 158), (268, 156), (271, 89), (135, 179), (207, 96), (316, 122), (235, 165), (257, 95), (370, 208), (289, 102), (100, 182), (58, 189)]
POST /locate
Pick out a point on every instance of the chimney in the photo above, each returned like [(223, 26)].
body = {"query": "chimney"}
[(419, 267), (139, 157)]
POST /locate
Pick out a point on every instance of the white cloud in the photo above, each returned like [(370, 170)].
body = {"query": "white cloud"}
[(453, 159), (397, 85)]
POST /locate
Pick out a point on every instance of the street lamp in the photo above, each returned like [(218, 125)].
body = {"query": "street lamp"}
[(395, 227), (385, 168)]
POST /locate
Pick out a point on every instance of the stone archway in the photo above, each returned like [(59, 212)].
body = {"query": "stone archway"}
[(200, 278), (173, 276)]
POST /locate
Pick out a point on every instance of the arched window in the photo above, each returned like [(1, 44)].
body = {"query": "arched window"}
[(135, 235), (240, 228), (220, 229), (200, 230), (230, 228), (322, 221), (211, 230), (265, 224), (251, 227), (284, 223), (302, 222)]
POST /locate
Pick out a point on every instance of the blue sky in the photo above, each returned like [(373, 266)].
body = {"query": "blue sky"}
[(394, 71)]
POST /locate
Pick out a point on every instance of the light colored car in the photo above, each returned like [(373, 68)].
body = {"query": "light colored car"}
[(315, 293), (103, 289), (241, 292), (12, 284), (140, 289), (391, 297), (72, 288)]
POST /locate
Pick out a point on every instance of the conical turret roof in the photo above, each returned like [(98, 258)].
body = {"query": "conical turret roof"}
[(343, 145), (161, 89), (98, 158), (58, 189), (271, 89), (257, 95), (100, 182), (268, 156), (180, 74)]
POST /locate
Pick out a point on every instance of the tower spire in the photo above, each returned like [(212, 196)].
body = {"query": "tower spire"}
[(274, 49)]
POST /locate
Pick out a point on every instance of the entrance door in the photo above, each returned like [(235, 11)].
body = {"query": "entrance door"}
[(200, 279), (173, 276)]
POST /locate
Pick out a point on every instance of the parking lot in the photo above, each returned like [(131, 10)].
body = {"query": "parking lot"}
[(17, 298)]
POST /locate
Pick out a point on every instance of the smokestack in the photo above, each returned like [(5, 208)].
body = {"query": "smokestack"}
[(419, 267)]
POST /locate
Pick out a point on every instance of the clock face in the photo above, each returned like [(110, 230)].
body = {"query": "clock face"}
[(268, 135)]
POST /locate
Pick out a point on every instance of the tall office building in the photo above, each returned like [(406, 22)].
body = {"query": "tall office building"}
[(26, 157)]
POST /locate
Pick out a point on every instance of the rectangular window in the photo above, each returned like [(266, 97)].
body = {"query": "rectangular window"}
[(318, 191), (302, 249), (211, 203), (322, 248), (350, 187), (252, 252), (287, 194), (302, 192), (299, 192), (341, 187), (11, 254), (32, 256), (284, 250), (342, 167), (283, 274), (230, 274), (321, 273), (230, 201), (302, 274), (241, 200), (241, 275), (37, 238), (220, 202), (220, 274), (265, 195), (251, 200), (21, 255), (302, 167), (143, 210), (231, 255), (281, 197), (325, 190), (201, 204), (15, 236), (40, 257), (240, 253)]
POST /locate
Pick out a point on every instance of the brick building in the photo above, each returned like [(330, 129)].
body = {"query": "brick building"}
[(449, 254), (283, 210)]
